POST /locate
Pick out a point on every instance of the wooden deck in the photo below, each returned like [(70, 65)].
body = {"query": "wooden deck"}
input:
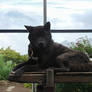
[(50, 77)]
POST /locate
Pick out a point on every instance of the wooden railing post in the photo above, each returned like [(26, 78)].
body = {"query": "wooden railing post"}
[(49, 85), (50, 80)]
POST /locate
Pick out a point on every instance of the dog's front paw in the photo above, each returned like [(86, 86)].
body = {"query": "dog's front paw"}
[(12, 76)]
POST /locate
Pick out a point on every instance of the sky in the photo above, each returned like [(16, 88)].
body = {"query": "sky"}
[(63, 14)]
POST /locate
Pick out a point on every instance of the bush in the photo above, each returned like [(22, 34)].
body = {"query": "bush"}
[(8, 59), (84, 45), (28, 85), (12, 55), (5, 68), (74, 87)]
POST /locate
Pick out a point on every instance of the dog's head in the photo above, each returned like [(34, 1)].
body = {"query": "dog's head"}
[(40, 36)]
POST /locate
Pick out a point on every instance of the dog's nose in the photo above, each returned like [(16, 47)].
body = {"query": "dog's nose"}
[(41, 44)]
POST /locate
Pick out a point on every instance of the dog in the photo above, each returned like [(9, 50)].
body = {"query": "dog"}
[(45, 53), (51, 54)]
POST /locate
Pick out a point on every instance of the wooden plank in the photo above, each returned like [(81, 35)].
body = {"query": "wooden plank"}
[(74, 77), (74, 73), (71, 78), (32, 77)]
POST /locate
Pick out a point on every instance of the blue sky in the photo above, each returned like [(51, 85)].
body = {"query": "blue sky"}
[(63, 14)]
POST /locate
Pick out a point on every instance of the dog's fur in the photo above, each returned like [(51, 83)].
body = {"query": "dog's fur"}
[(51, 54), (45, 53)]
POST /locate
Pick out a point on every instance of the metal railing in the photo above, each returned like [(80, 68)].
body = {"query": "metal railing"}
[(53, 31)]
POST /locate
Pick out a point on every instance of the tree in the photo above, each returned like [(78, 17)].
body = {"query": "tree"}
[(12, 55)]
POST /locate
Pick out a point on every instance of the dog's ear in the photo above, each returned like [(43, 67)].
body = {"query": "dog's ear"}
[(47, 26), (29, 28)]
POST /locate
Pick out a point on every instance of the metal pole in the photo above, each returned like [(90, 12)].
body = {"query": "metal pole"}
[(44, 11), (33, 87)]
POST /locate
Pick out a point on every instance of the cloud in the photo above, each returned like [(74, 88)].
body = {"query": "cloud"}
[(16, 20), (70, 37), (14, 14), (85, 19), (17, 41), (64, 14)]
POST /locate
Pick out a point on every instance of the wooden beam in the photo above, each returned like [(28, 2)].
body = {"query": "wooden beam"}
[(37, 77), (74, 77)]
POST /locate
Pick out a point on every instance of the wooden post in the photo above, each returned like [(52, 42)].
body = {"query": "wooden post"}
[(50, 78), (49, 82)]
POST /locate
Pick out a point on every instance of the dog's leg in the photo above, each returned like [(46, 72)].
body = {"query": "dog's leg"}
[(20, 71), (20, 65), (62, 63)]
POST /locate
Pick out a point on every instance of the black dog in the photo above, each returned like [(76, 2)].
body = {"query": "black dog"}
[(51, 54), (45, 53)]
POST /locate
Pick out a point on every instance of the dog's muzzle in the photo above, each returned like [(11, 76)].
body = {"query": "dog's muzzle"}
[(41, 45)]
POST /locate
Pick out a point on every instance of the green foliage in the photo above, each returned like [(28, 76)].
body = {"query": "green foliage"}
[(12, 55), (84, 45), (74, 87), (8, 59), (28, 85), (5, 68)]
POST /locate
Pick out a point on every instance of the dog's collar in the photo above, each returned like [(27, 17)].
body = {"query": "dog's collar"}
[(32, 53), (32, 57), (35, 58)]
